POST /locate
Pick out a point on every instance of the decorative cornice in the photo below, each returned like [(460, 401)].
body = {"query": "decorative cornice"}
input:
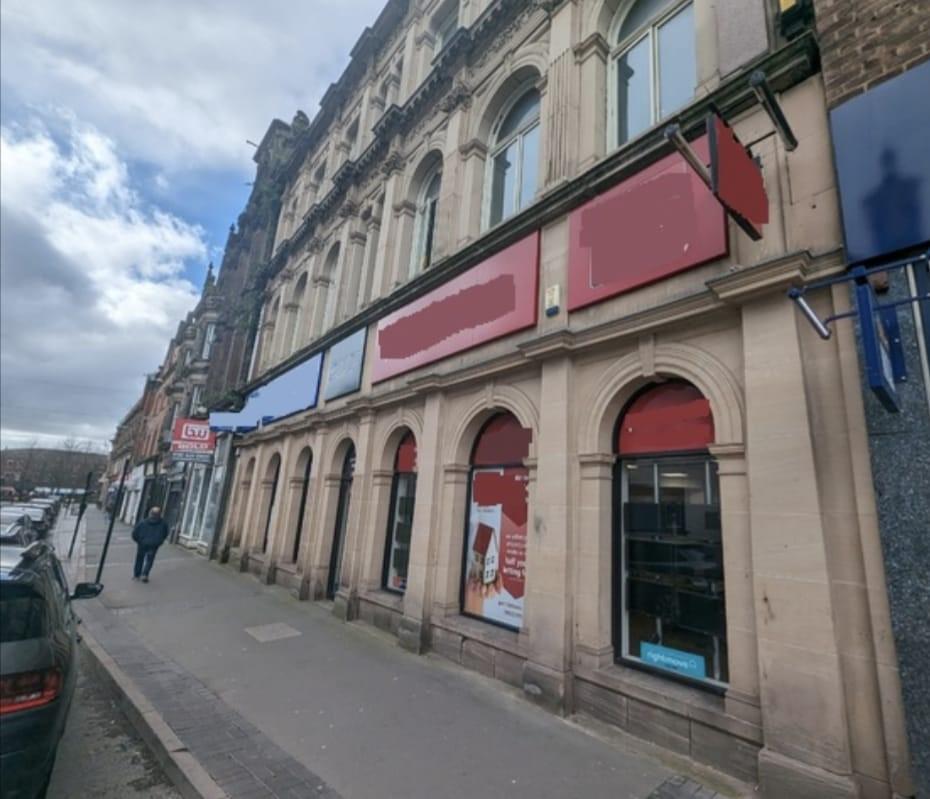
[(473, 147), (777, 274), (556, 343), (595, 44)]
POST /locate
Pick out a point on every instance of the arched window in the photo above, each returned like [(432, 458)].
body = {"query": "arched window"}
[(400, 522), (654, 67), (342, 518), (494, 560), (515, 158), (668, 568), (425, 225), (271, 487), (304, 465)]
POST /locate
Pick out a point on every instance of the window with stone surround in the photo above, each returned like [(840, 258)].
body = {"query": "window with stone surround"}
[(514, 158), (425, 222), (669, 613), (653, 69)]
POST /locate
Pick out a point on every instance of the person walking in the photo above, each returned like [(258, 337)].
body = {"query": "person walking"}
[(149, 535)]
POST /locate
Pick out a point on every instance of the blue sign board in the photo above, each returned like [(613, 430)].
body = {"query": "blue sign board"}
[(881, 346), (344, 365), (289, 393), (883, 165), (664, 657)]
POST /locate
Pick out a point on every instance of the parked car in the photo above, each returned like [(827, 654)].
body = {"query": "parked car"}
[(38, 665), (10, 516), (15, 534), (40, 516)]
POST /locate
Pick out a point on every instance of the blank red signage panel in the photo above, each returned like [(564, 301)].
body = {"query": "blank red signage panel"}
[(736, 178), (661, 221), (493, 299)]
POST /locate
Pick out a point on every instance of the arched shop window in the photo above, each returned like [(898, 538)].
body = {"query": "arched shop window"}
[(271, 473), (494, 560), (304, 465), (400, 523), (342, 517), (668, 567)]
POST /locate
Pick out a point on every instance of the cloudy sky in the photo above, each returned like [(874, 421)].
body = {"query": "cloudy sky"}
[(124, 161)]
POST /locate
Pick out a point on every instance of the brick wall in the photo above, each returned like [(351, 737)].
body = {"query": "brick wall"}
[(864, 42)]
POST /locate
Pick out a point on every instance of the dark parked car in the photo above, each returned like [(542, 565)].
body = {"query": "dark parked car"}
[(38, 665)]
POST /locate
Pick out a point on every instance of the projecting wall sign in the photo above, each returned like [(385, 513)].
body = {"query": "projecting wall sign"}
[(657, 223)]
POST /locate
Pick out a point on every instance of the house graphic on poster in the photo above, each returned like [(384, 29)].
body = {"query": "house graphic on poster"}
[(484, 554)]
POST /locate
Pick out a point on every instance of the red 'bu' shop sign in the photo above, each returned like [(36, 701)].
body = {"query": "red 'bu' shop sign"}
[(493, 299), (657, 223), (192, 437)]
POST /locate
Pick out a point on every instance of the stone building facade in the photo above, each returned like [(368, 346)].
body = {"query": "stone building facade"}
[(876, 68), (523, 395)]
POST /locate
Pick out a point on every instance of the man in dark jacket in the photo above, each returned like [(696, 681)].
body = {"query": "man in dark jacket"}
[(149, 535)]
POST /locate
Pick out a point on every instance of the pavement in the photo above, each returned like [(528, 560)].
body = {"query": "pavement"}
[(271, 697), (101, 755)]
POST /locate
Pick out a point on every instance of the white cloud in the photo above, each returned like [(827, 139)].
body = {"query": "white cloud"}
[(93, 283), (180, 83)]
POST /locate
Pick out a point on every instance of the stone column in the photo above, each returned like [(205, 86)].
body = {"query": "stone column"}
[(427, 530), (594, 572), (550, 548), (404, 216), (474, 154), (742, 699), (805, 727), (355, 265), (369, 260), (444, 598), (389, 233), (591, 59), (375, 526), (345, 606)]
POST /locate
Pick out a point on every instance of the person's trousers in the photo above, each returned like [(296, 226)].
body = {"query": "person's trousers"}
[(145, 557)]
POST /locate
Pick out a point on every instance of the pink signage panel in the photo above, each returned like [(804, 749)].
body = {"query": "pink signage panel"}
[(493, 299), (661, 221)]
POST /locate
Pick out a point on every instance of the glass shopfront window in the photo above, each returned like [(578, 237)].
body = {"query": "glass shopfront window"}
[(400, 523), (494, 560), (671, 596)]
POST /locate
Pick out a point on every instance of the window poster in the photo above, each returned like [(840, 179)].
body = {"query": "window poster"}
[(495, 555)]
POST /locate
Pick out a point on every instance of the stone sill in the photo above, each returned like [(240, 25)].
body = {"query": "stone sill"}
[(682, 700), (487, 634), (288, 568)]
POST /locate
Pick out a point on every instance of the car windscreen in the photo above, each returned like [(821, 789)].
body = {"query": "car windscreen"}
[(23, 614)]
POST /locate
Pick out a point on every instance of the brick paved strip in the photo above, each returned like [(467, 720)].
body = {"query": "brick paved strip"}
[(207, 749)]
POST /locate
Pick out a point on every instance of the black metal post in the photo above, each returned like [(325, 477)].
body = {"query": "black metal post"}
[(80, 515), (106, 543)]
